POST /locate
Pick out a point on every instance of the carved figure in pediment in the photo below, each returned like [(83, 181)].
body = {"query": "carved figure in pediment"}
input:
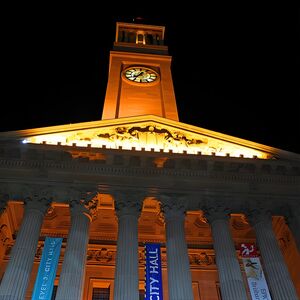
[(119, 134), (79, 136), (105, 136)]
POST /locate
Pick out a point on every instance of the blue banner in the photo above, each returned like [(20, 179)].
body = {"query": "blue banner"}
[(153, 277), (43, 287)]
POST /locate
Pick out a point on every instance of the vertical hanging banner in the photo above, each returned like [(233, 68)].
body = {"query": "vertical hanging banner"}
[(153, 278), (44, 282), (254, 272)]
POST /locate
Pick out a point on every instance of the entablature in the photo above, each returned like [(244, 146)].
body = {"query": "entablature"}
[(64, 168)]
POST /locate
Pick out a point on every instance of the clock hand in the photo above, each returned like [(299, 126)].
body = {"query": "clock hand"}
[(138, 74)]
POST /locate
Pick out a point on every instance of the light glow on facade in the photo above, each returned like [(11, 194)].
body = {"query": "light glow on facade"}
[(148, 136)]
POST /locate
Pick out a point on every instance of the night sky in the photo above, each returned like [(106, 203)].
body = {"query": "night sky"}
[(235, 69)]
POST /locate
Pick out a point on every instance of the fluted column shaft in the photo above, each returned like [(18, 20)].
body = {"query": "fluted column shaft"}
[(17, 274), (73, 269), (277, 274), (179, 275), (126, 285), (230, 276)]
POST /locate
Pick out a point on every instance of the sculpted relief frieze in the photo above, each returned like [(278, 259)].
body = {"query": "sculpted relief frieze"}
[(107, 255), (147, 136), (152, 135), (127, 137), (202, 259), (102, 256), (199, 258)]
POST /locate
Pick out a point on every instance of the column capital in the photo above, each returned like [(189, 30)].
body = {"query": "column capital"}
[(37, 202), (77, 207), (218, 212), (128, 202), (87, 207), (257, 202), (91, 202), (290, 211), (34, 190), (216, 207), (173, 205), (36, 197), (259, 215), (83, 202)]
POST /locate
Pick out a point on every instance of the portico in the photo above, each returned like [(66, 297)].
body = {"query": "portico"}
[(192, 221)]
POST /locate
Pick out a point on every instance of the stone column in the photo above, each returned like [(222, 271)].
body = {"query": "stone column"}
[(128, 207), (292, 217), (179, 275), (277, 275), (72, 275), (230, 275), (17, 274)]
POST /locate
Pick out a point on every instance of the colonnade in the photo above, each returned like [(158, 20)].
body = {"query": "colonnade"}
[(128, 207)]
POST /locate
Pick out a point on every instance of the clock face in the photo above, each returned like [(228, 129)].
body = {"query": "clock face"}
[(140, 75)]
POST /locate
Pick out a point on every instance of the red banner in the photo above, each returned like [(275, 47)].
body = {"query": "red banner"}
[(254, 272), (248, 250)]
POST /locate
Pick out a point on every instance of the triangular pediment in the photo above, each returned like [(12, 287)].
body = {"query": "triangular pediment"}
[(149, 133)]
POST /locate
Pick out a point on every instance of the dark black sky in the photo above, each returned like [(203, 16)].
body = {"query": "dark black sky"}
[(235, 69)]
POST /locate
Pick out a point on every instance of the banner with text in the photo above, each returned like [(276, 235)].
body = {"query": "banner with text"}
[(44, 282), (254, 272), (153, 278)]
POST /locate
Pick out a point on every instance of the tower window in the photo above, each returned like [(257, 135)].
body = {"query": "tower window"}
[(140, 39), (149, 39), (131, 37), (121, 36)]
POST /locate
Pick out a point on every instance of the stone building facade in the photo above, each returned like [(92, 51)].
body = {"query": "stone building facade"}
[(139, 175)]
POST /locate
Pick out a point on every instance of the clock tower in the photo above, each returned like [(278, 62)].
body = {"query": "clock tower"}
[(139, 80)]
